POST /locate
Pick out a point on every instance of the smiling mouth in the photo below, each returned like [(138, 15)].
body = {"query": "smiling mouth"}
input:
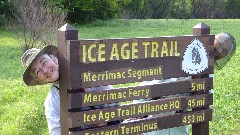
[(49, 73)]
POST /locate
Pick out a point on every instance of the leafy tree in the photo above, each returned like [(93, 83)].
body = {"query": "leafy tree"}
[(84, 11), (232, 8), (5, 10)]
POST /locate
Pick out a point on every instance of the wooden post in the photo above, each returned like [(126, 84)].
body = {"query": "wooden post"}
[(201, 29), (66, 32), (203, 127)]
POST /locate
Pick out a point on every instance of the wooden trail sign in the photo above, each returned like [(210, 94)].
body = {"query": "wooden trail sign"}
[(148, 125), (141, 109), (100, 62), (77, 100)]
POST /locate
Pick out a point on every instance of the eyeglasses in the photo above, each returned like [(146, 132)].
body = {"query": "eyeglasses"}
[(219, 64)]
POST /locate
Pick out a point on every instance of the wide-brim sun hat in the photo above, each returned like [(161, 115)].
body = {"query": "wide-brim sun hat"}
[(29, 57)]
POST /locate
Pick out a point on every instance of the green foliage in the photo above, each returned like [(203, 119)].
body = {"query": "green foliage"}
[(21, 107), (88, 11), (5, 10), (83, 11), (232, 8)]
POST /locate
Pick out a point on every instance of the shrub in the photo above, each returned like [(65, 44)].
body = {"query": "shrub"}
[(35, 22)]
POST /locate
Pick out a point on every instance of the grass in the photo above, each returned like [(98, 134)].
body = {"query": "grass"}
[(21, 107)]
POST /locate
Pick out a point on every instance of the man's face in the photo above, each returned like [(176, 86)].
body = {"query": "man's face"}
[(45, 69)]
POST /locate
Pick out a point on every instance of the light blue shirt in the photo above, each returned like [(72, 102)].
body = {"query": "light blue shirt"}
[(52, 111), (52, 108)]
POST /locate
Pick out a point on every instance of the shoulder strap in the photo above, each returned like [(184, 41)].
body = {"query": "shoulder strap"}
[(56, 86)]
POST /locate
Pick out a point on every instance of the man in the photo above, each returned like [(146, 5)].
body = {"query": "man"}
[(224, 48), (42, 68)]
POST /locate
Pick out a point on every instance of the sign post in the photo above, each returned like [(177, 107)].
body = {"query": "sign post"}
[(203, 127), (101, 62)]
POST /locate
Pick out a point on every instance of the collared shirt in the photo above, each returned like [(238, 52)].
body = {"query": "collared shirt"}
[(52, 108)]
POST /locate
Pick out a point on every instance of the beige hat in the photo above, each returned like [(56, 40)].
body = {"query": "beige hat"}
[(224, 48), (28, 59)]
